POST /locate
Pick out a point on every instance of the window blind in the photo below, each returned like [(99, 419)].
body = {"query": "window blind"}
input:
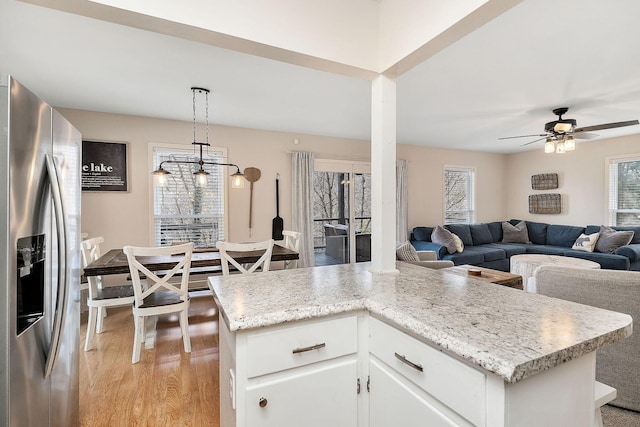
[(459, 195), (182, 211), (624, 191)]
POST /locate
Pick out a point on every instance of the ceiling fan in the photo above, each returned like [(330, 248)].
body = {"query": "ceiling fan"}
[(563, 131)]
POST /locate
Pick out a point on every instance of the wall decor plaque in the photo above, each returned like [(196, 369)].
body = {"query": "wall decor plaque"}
[(545, 203), (104, 166), (544, 181)]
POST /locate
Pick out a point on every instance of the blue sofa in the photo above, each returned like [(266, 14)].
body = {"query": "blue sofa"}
[(483, 245)]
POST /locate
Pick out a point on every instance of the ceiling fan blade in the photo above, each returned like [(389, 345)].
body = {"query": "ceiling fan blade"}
[(544, 137), (585, 135), (607, 126), (524, 136)]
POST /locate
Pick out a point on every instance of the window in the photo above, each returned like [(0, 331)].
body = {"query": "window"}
[(459, 195), (183, 212), (624, 190)]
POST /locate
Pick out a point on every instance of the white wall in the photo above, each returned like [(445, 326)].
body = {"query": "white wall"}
[(426, 174), (123, 218), (581, 176)]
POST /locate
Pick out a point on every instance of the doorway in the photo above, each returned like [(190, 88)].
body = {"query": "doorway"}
[(341, 212)]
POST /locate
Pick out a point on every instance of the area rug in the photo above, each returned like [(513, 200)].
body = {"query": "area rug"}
[(613, 416)]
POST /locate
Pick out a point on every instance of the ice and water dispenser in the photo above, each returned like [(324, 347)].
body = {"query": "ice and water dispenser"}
[(31, 281)]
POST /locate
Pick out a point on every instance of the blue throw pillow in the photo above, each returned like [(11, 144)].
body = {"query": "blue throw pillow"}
[(496, 231), (480, 234), (537, 232), (462, 231), (422, 233), (563, 235)]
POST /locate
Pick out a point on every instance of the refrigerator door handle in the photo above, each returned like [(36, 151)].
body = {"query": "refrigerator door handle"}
[(63, 285)]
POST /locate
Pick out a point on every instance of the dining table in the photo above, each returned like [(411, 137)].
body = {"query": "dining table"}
[(203, 261), (115, 261)]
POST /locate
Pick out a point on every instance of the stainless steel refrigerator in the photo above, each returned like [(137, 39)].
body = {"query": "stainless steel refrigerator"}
[(40, 154)]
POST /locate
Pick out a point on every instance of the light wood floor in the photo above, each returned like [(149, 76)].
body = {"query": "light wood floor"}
[(168, 387)]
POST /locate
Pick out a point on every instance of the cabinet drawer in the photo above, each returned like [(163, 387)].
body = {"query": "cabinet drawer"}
[(458, 386), (273, 350)]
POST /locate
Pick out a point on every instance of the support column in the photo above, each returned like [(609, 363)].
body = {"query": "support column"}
[(383, 174)]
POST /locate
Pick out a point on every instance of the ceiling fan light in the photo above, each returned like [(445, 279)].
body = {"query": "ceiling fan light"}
[(569, 144), (563, 127), (560, 147), (549, 146)]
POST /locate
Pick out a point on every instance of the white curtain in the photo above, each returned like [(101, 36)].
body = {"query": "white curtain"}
[(302, 204), (402, 204)]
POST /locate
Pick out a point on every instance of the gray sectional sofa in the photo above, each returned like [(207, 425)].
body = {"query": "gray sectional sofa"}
[(483, 245)]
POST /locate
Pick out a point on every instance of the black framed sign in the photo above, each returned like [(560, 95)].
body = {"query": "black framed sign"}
[(104, 166)]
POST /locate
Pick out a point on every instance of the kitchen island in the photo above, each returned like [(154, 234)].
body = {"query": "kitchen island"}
[(337, 345)]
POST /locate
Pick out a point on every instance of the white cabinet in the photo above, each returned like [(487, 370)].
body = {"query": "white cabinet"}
[(394, 401), (318, 397), (307, 373), (418, 382), (299, 374)]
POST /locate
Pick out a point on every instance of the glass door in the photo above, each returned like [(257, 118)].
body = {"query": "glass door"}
[(342, 212)]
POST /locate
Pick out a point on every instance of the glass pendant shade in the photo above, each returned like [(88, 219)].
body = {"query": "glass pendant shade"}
[(201, 178), (560, 148), (237, 180), (569, 144), (161, 177), (549, 146)]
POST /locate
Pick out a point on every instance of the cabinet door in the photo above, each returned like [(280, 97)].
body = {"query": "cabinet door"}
[(393, 402), (310, 396)]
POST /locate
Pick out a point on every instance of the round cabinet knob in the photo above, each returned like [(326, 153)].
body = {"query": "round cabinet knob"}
[(262, 402)]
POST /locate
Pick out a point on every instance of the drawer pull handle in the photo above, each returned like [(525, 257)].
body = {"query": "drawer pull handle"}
[(262, 402), (408, 362), (311, 347)]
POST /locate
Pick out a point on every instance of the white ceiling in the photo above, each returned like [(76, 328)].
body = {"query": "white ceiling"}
[(501, 80)]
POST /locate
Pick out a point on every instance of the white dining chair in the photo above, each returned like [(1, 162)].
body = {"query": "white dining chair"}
[(100, 297), (159, 295), (226, 258), (291, 241)]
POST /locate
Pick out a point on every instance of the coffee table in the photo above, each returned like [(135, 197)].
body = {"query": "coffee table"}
[(526, 265), (487, 275)]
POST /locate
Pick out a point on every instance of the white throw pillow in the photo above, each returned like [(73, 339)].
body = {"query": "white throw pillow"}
[(459, 244), (586, 242), (406, 252)]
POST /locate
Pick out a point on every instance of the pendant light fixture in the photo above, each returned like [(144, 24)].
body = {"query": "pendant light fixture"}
[(559, 144), (161, 175)]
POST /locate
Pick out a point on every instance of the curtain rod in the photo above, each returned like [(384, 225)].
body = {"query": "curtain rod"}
[(327, 156)]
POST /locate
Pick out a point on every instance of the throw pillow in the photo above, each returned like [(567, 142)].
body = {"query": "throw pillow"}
[(459, 242), (586, 242), (406, 252), (444, 237), (462, 231), (515, 233), (422, 233), (480, 234), (610, 239)]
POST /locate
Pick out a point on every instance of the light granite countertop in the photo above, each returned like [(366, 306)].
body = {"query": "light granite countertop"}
[(506, 331)]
